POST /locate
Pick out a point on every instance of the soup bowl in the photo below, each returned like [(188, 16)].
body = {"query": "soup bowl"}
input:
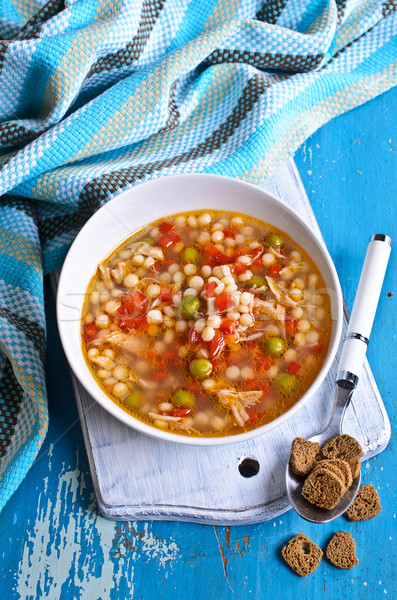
[(145, 203)]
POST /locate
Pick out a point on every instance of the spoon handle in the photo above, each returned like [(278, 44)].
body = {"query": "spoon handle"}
[(364, 309)]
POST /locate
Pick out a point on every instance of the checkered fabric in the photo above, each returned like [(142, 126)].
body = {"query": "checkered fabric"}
[(98, 95)]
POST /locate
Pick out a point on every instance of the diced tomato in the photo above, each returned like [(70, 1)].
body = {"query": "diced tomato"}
[(165, 227), (129, 323), (293, 367), (208, 262), (257, 251), (141, 323), (157, 267), (165, 294), (230, 232), (253, 415), (242, 250), (181, 412), (174, 237), (90, 332), (217, 256), (223, 259), (257, 262), (216, 345), (135, 304), (223, 301), (150, 354), (160, 376), (194, 336), (290, 326), (240, 268), (210, 288), (165, 242), (274, 270), (212, 251), (228, 327)]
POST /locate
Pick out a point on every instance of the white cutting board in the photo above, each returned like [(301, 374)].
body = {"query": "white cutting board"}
[(137, 477)]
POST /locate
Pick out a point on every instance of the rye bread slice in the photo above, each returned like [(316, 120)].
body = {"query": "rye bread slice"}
[(329, 464), (343, 446), (304, 455), (302, 555), (323, 488), (366, 505), (341, 551)]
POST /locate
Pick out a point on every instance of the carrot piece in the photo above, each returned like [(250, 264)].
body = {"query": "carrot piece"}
[(290, 326), (90, 331), (293, 367)]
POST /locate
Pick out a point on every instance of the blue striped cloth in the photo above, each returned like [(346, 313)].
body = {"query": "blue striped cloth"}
[(98, 95)]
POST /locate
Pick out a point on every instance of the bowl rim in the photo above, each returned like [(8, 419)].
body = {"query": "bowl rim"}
[(95, 391)]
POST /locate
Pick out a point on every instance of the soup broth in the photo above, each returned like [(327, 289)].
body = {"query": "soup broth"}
[(206, 324)]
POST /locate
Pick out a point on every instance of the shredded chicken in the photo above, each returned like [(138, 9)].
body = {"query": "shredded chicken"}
[(102, 361), (106, 273), (289, 271), (273, 287), (116, 337), (147, 250), (237, 402), (275, 252), (120, 272), (254, 336), (287, 301), (164, 417)]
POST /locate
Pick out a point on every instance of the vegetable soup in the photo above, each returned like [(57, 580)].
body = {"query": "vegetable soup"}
[(206, 324)]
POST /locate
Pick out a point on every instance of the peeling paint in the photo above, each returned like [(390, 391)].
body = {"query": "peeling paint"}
[(67, 550)]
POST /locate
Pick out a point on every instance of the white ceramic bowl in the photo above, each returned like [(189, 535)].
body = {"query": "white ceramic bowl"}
[(145, 203)]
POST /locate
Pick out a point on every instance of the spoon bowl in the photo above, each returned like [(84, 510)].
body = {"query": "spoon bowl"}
[(294, 482)]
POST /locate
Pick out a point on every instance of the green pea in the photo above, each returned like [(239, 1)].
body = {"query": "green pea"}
[(189, 256), (275, 346), (256, 281), (148, 240), (286, 383), (183, 399), (134, 400), (201, 367), (189, 305), (275, 241)]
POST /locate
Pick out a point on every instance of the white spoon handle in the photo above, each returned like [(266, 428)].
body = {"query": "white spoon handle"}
[(364, 309)]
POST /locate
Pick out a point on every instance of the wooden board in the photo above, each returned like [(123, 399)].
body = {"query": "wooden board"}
[(137, 477)]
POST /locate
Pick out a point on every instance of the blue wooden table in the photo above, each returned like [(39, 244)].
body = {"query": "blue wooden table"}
[(53, 544)]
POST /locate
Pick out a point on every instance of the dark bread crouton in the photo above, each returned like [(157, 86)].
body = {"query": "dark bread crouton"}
[(328, 464), (341, 551), (323, 488), (366, 505), (343, 446), (302, 555), (344, 466), (303, 455), (355, 466)]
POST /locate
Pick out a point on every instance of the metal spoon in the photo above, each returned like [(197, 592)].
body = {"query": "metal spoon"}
[(351, 360)]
